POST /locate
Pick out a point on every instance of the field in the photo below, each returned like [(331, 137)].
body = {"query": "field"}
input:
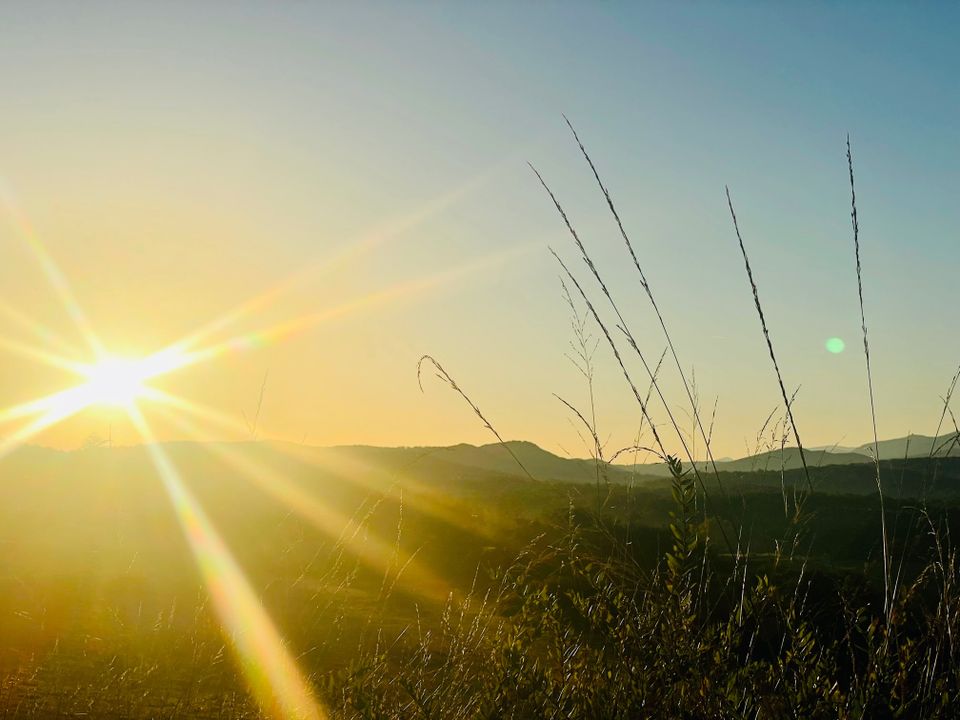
[(104, 612)]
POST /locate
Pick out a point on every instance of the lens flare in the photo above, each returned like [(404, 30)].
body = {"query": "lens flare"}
[(55, 276), (835, 345), (271, 672), (115, 381), (119, 381), (372, 552)]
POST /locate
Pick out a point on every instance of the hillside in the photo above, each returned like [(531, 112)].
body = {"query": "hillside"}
[(464, 461)]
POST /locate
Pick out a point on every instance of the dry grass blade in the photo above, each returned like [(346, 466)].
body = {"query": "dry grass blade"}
[(256, 415), (616, 353), (873, 408), (582, 359), (934, 449), (447, 378), (633, 449), (766, 335), (656, 308), (622, 326), (651, 374)]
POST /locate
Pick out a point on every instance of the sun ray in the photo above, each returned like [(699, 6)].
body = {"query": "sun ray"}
[(52, 410), (221, 419), (39, 406), (386, 296), (51, 270), (271, 672), (373, 553), (335, 262), (353, 471), (47, 358), (180, 357), (350, 469), (40, 331), (416, 494)]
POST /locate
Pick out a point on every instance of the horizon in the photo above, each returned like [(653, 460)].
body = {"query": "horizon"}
[(99, 443)]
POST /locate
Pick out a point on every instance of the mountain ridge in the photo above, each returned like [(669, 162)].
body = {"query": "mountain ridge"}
[(514, 458)]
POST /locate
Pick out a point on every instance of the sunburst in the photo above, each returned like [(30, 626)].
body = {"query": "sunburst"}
[(127, 383), (121, 381)]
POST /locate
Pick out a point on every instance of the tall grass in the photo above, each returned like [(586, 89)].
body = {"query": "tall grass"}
[(787, 402), (687, 385), (577, 630), (866, 354)]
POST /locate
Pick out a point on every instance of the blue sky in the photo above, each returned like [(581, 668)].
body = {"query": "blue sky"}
[(178, 158)]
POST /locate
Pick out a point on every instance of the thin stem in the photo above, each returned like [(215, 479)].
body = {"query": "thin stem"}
[(447, 378), (766, 335), (656, 308), (873, 410)]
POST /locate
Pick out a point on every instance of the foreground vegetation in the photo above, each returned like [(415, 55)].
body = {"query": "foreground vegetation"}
[(637, 610)]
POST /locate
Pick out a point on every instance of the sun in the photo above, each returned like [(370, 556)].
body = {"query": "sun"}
[(119, 381), (116, 381)]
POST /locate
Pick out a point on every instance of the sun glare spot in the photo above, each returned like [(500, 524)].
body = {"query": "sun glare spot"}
[(116, 381), (835, 345)]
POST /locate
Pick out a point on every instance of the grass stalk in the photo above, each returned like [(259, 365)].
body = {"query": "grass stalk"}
[(622, 324), (656, 308), (448, 378), (766, 334), (624, 328), (873, 408)]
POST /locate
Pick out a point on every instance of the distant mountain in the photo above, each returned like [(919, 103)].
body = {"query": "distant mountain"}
[(789, 459), (912, 446), (537, 461), (470, 460), (463, 462)]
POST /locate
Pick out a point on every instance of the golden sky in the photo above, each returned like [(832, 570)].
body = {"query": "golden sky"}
[(362, 173)]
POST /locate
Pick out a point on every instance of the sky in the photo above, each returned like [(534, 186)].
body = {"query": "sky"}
[(365, 166)]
